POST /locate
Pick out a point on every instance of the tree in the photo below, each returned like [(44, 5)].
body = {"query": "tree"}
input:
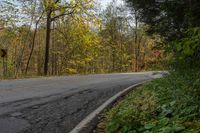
[(51, 8), (168, 18), (175, 21), (71, 37)]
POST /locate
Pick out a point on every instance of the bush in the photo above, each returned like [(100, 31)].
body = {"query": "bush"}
[(167, 105)]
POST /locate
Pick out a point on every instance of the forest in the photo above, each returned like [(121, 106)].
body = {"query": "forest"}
[(170, 104), (77, 37), (53, 37)]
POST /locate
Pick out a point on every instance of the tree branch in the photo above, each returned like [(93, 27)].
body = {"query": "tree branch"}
[(64, 14)]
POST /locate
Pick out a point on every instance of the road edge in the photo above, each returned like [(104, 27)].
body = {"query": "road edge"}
[(90, 121)]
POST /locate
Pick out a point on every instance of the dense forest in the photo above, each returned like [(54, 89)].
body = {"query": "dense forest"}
[(178, 23), (55, 37), (170, 104)]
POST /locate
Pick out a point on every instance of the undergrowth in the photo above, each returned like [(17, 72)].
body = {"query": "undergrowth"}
[(166, 105)]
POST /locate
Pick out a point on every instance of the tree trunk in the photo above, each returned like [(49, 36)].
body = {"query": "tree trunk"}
[(136, 40), (32, 48), (48, 35), (20, 59), (4, 73), (33, 45)]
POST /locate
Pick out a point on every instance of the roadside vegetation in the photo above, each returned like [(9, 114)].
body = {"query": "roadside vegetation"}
[(170, 104), (166, 105)]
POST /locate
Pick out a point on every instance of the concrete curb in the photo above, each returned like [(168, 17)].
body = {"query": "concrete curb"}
[(87, 124)]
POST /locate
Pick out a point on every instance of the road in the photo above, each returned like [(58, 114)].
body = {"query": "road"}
[(57, 104)]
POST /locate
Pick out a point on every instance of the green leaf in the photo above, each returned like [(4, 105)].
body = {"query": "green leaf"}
[(178, 128), (166, 130), (163, 122), (172, 103), (124, 129), (147, 131), (179, 46), (187, 50), (133, 131), (149, 126)]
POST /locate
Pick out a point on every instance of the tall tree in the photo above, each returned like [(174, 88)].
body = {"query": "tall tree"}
[(56, 9), (169, 18)]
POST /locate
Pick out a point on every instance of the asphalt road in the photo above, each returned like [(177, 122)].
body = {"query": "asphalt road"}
[(57, 104)]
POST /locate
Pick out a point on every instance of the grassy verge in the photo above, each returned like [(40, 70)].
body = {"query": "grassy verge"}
[(167, 105)]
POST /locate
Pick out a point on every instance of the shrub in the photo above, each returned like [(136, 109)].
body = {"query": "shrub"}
[(167, 105)]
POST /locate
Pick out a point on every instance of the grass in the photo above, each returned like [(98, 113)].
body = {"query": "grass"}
[(167, 105)]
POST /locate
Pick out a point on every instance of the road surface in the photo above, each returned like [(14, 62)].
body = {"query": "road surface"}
[(57, 104)]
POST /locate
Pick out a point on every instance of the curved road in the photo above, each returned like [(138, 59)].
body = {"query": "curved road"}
[(57, 104)]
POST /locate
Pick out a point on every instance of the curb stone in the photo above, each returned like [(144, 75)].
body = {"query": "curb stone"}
[(89, 122)]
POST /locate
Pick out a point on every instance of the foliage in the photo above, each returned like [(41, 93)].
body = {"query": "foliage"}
[(168, 18), (81, 39), (189, 45), (177, 22), (166, 105)]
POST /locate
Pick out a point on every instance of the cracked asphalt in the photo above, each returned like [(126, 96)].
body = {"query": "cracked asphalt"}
[(58, 104)]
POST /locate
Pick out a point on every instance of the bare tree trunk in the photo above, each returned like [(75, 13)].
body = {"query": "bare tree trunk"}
[(136, 38), (48, 35), (20, 59), (139, 53), (39, 55), (53, 61), (4, 73), (113, 61), (6, 64), (33, 45), (15, 59), (32, 48)]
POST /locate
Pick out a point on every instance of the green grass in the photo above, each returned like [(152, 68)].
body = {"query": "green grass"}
[(167, 105)]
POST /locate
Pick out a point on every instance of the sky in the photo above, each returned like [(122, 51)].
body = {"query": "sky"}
[(106, 2)]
